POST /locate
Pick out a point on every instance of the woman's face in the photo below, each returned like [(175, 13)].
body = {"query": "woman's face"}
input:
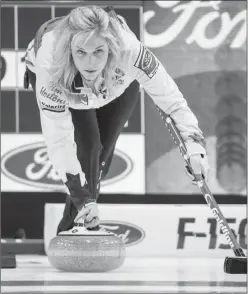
[(90, 57)]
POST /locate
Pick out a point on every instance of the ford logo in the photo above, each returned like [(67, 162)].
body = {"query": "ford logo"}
[(29, 164), (129, 233)]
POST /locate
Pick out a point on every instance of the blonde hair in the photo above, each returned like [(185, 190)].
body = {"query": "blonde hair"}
[(84, 19)]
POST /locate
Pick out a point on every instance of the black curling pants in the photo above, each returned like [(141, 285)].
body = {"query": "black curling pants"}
[(96, 134)]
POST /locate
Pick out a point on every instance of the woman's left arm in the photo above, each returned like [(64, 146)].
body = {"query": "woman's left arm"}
[(151, 74)]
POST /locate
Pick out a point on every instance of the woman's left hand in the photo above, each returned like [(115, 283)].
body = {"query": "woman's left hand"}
[(198, 158), (200, 167)]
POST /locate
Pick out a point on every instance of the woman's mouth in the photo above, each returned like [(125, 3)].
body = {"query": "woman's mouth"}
[(90, 71)]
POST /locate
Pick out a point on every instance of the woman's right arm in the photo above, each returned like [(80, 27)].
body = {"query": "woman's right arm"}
[(58, 129)]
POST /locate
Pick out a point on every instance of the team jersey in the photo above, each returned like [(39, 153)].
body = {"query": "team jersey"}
[(137, 63)]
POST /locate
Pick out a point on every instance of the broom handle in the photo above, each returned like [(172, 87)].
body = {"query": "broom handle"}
[(226, 230)]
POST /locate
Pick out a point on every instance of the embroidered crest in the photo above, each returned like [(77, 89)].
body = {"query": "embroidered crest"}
[(147, 62)]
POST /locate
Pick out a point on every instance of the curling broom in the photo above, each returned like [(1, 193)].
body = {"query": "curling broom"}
[(232, 265)]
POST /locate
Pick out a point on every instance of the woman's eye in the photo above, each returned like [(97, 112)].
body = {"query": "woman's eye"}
[(98, 51), (81, 52)]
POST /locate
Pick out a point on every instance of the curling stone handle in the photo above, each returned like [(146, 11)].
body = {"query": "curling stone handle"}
[(96, 228), (79, 223)]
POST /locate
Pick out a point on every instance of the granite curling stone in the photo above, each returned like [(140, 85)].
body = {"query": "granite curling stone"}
[(82, 250)]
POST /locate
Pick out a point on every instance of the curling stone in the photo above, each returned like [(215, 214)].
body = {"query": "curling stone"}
[(82, 250)]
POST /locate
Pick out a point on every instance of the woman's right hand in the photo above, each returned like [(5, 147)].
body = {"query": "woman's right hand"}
[(89, 214)]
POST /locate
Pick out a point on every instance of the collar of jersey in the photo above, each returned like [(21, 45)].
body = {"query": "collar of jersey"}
[(79, 87)]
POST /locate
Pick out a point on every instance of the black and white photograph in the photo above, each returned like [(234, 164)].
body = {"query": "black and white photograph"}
[(123, 147)]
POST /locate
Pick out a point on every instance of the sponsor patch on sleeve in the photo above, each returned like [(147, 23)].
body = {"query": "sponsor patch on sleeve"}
[(51, 99), (53, 108), (147, 62)]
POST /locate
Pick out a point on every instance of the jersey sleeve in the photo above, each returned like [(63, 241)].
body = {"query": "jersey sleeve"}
[(158, 84), (56, 121)]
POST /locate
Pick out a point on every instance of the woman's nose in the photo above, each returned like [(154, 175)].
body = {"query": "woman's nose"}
[(91, 60)]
